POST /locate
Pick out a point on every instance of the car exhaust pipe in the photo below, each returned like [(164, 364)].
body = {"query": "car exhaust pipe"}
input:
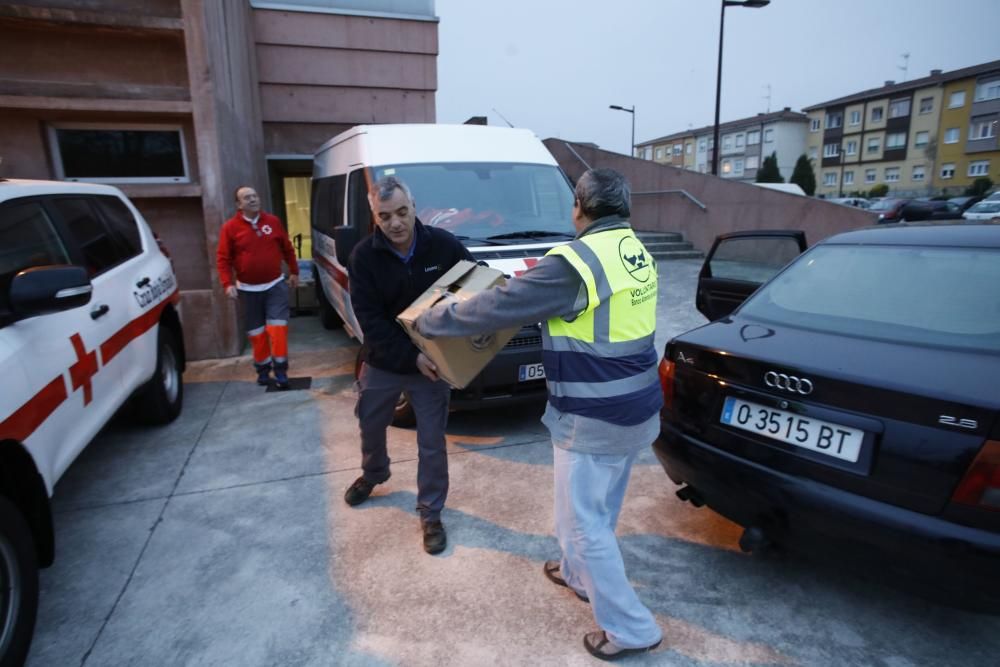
[(753, 539), (690, 495)]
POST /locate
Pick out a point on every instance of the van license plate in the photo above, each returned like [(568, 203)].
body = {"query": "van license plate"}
[(842, 442), (530, 372)]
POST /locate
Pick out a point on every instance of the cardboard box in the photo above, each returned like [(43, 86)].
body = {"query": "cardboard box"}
[(458, 360)]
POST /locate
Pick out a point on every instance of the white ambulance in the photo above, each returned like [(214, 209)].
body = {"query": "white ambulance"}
[(499, 190), (88, 320)]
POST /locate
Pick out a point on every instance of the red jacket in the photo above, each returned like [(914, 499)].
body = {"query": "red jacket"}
[(256, 258)]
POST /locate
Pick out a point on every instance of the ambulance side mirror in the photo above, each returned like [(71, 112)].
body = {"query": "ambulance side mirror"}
[(49, 289)]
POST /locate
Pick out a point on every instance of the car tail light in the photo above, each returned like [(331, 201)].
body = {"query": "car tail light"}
[(667, 381), (981, 485)]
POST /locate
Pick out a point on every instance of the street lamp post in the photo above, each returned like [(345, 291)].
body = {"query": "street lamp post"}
[(631, 111), (752, 4)]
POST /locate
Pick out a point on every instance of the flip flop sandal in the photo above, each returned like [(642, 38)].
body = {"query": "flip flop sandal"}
[(551, 569), (599, 645)]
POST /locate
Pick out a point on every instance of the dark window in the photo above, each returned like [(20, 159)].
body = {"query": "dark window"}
[(328, 203), (359, 210), (99, 248), (27, 239), (121, 154), (122, 222), (753, 260)]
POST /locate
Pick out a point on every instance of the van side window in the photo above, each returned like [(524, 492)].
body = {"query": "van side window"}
[(100, 249), (328, 203), (120, 219), (359, 211), (27, 239)]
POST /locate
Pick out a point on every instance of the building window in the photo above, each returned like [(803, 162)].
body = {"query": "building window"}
[(848, 178), (921, 139), (727, 142), (830, 178), (982, 128), (768, 136), (738, 166), (814, 125), (852, 147), (752, 162), (951, 135), (119, 153), (874, 145), (688, 148), (678, 149), (891, 174), (753, 137), (659, 152), (918, 172), (727, 166), (987, 90), (739, 140), (834, 120), (956, 99), (926, 104), (899, 108), (979, 168), (855, 118), (869, 175), (895, 140), (831, 150), (812, 152), (876, 114), (948, 170), (702, 145)]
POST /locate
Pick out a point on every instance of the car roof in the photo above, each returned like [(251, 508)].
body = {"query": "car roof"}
[(922, 234), (11, 188)]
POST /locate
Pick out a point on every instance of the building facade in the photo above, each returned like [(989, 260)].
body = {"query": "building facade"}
[(968, 146), (178, 102)]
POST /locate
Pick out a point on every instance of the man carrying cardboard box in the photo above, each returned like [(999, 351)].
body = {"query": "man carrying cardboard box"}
[(597, 297), (389, 269)]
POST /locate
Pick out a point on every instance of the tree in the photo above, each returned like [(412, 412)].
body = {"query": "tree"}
[(880, 190), (769, 172), (979, 187), (803, 175)]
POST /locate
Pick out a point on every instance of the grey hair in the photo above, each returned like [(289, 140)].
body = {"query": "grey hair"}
[(603, 192), (383, 188)]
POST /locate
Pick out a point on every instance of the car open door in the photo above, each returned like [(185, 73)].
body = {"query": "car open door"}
[(739, 263)]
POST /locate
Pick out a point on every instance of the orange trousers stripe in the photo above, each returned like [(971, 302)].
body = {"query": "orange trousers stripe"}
[(261, 347), (278, 333)]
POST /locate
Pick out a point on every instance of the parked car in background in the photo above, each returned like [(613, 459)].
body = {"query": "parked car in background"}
[(858, 202), (984, 210), (88, 320), (993, 196), (919, 210), (888, 209), (964, 203), (849, 406)]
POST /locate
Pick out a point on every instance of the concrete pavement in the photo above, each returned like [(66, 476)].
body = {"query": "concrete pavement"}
[(223, 539)]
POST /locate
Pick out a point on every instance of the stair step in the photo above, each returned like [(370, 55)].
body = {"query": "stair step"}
[(661, 246), (678, 254), (659, 236)]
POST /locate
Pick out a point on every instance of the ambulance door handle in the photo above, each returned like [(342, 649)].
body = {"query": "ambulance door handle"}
[(143, 283), (100, 311)]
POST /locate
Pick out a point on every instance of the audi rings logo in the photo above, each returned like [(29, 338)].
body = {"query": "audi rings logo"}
[(790, 383)]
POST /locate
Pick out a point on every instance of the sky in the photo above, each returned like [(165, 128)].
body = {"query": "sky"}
[(554, 66)]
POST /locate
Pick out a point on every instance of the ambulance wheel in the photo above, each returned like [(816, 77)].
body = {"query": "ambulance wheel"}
[(328, 315), (402, 416), (160, 400), (18, 585)]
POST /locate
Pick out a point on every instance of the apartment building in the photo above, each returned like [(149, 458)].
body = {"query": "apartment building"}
[(744, 145), (896, 134), (177, 102)]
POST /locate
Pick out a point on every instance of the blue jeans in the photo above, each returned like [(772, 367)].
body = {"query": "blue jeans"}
[(589, 489)]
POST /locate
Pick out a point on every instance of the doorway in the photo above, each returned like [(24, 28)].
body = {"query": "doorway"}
[(290, 180)]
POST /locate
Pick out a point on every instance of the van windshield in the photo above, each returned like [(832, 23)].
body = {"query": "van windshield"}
[(478, 200)]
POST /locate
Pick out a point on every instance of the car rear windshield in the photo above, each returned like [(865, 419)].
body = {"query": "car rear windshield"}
[(986, 207), (936, 296), (483, 199), (884, 205)]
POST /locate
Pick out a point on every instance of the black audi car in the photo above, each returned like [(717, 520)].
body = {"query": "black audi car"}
[(847, 403)]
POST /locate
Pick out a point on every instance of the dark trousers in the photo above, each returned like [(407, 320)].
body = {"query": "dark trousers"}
[(377, 397)]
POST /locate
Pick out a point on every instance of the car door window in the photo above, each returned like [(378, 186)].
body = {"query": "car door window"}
[(99, 247), (27, 239), (122, 223), (753, 260)]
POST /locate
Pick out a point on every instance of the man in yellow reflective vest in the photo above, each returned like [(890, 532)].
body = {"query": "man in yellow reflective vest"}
[(597, 298)]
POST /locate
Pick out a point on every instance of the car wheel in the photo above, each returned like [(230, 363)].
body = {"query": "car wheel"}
[(328, 315), (18, 585), (160, 400), (403, 415)]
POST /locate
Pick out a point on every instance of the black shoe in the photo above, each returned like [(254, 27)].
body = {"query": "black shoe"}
[(281, 381), (358, 492), (435, 539), (264, 378)]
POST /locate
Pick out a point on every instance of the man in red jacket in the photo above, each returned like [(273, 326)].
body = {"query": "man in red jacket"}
[(252, 244)]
